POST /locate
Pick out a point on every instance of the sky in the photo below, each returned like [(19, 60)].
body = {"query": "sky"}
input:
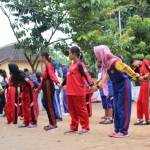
[(6, 34)]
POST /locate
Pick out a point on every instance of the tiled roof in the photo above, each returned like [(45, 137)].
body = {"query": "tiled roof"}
[(12, 54)]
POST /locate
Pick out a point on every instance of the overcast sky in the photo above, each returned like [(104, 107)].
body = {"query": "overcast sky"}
[(6, 34)]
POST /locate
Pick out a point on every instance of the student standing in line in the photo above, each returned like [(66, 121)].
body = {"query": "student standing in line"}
[(118, 72), (47, 85), (11, 107), (143, 68), (76, 92)]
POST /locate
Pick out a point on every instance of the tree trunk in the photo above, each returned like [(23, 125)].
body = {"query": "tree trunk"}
[(33, 63)]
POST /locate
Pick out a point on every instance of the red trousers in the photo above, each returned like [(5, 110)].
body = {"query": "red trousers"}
[(36, 106), (10, 106), (29, 106), (78, 112), (20, 113), (143, 102)]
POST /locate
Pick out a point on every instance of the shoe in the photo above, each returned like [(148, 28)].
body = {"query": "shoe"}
[(32, 126), (145, 123), (113, 134), (120, 135), (83, 131), (139, 122), (106, 121), (23, 126), (70, 131), (65, 114), (49, 127), (60, 119)]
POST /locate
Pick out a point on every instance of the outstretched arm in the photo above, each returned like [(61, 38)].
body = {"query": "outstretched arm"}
[(51, 73), (122, 67), (101, 83)]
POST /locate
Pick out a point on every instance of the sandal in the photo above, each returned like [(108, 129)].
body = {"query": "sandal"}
[(139, 122), (32, 126), (106, 121), (120, 135), (49, 127), (145, 123), (23, 126), (83, 131), (113, 134), (70, 131)]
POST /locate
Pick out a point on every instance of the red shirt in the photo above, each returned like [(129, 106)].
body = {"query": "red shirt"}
[(144, 69), (76, 84), (50, 73)]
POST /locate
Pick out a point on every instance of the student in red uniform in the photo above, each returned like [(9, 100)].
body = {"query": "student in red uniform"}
[(11, 97), (47, 85), (28, 105), (77, 76), (143, 68)]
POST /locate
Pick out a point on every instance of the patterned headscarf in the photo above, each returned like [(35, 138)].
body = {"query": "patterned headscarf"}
[(103, 54)]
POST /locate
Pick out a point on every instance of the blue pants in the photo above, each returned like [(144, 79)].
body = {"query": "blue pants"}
[(122, 106), (107, 102), (57, 106), (65, 106)]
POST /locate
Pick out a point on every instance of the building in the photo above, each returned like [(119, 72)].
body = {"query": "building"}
[(9, 54)]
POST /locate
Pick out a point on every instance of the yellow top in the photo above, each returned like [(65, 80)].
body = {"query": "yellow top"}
[(122, 67)]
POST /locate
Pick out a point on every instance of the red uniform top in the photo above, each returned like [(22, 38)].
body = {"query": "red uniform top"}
[(10, 82), (144, 69), (50, 73), (76, 82), (29, 82)]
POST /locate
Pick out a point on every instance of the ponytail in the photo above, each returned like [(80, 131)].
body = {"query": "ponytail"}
[(46, 55), (76, 50)]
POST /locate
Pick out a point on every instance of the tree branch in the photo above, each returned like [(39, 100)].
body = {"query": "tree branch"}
[(35, 60), (56, 28), (28, 59), (60, 40)]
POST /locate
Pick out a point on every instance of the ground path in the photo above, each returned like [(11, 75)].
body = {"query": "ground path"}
[(12, 138)]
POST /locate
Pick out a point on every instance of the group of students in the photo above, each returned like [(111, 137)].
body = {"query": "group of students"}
[(114, 85)]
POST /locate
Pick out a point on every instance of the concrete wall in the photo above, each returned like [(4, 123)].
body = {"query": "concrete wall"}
[(21, 65)]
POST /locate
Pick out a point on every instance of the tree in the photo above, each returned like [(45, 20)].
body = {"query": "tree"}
[(30, 19), (139, 28)]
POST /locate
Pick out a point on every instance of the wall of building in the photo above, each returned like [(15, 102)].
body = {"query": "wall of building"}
[(21, 65)]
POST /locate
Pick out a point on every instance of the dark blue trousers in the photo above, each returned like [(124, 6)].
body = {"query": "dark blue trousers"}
[(122, 106)]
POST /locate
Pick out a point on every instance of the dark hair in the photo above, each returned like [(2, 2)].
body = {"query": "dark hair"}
[(135, 59), (3, 73), (38, 76), (120, 56), (46, 55), (26, 70), (13, 68), (17, 75), (76, 50)]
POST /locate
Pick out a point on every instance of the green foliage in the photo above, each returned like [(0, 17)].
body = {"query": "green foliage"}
[(30, 19), (139, 28), (87, 22)]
